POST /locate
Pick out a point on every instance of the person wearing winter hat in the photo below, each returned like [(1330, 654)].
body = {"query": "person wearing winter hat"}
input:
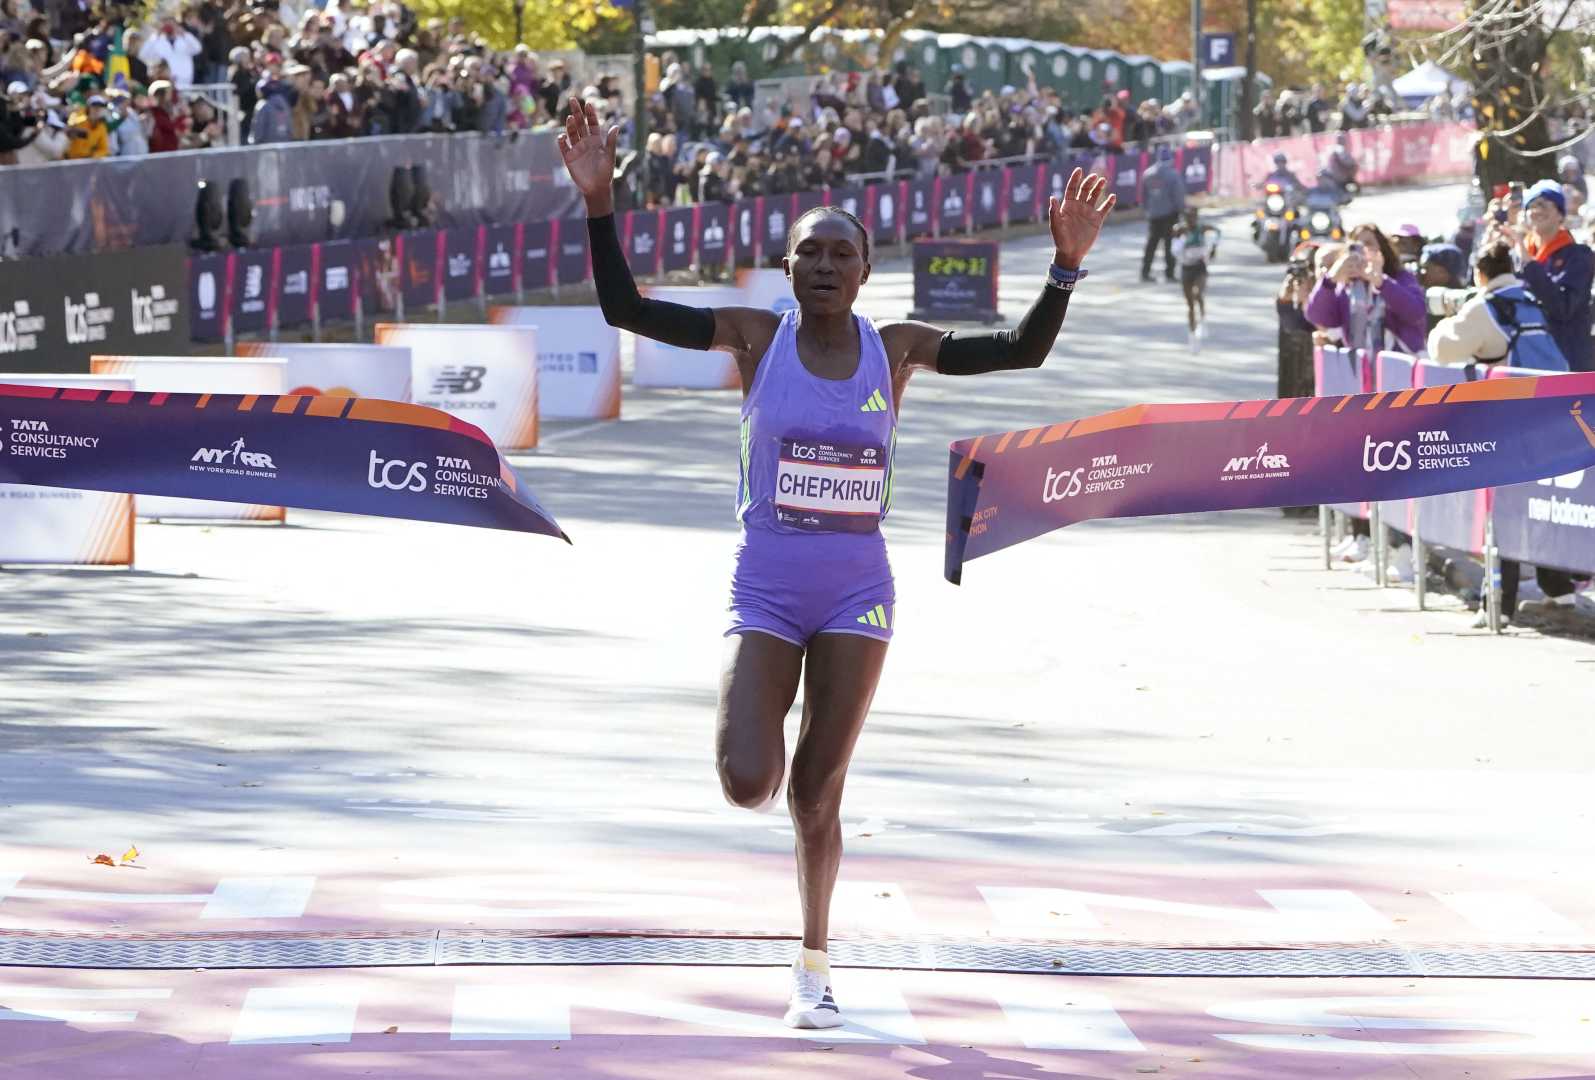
[(1558, 271)]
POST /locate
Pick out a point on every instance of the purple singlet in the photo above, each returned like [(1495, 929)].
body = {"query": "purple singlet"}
[(815, 481)]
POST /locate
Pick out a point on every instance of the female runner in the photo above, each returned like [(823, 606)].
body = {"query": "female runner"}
[(811, 591)]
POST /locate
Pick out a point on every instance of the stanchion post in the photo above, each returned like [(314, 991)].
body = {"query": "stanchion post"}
[(1492, 574), (1420, 584), (1326, 518), (1376, 543)]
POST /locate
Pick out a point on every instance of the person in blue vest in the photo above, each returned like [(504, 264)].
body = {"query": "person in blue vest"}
[(1558, 271)]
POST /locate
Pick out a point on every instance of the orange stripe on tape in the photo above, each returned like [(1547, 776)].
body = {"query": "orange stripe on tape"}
[(1002, 443), (1030, 438), (322, 405), (287, 403), (969, 458), (1373, 402), (1280, 407), (204, 400), (247, 402), (1402, 398), (1432, 395), (1494, 390), (1056, 432), (1119, 418), (1343, 403), (398, 412), (1312, 403)]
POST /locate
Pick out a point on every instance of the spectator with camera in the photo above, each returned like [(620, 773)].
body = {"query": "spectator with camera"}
[(1498, 320), (1366, 294), (1559, 272), (178, 47)]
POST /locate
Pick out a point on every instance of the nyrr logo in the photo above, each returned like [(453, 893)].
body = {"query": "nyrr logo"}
[(235, 455), (1386, 456), (1259, 461), (458, 380), (396, 475)]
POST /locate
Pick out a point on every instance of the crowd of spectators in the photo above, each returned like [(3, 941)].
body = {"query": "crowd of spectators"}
[(84, 81)]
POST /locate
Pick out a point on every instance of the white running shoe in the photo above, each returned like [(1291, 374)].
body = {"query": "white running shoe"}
[(811, 1004), (1193, 340), (1345, 545), (1357, 552)]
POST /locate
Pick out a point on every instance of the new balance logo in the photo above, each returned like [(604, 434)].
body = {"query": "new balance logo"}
[(876, 402), (876, 617), (466, 379)]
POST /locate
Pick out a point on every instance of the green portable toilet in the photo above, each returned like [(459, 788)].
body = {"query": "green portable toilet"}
[(1052, 64), (960, 51), (1176, 79), (1146, 78), (1025, 54), (861, 49), (764, 45), (994, 53), (922, 50), (1222, 91)]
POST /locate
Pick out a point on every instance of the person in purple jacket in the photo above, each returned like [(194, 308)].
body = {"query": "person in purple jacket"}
[(1369, 297)]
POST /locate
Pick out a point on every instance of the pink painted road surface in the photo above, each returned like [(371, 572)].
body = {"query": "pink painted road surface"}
[(214, 889), (659, 1023)]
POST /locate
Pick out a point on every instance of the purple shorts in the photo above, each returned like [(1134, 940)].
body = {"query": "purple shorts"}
[(796, 585)]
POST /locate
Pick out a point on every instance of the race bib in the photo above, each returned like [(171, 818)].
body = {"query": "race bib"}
[(828, 487)]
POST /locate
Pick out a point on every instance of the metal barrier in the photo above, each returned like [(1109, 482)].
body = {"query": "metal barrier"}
[(225, 99)]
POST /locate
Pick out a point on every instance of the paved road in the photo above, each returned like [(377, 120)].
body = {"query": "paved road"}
[(1155, 730)]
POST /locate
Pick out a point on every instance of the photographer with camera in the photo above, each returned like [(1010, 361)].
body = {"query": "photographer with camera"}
[(1366, 294), (1499, 320), (1295, 331)]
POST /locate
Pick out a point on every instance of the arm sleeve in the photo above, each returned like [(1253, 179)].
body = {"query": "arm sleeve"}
[(975, 352), (624, 307), (1405, 314), (1323, 306)]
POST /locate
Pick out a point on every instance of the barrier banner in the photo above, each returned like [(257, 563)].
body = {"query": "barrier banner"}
[(1231, 455), (208, 276), (377, 276), (1025, 182), (745, 233), (1196, 165), (1550, 522), (572, 265), (1454, 520), (500, 252), (802, 203), (952, 204), (679, 233), (661, 365), (985, 202), (59, 525), (335, 281), (920, 196), (293, 288), (1126, 180), (777, 216), (252, 289), (459, 263), (537, 258), (337, 370), (197, 375), (578, 360), (1337, 372), (420, 267), (642, 242), (955, 280), (713, 222), (882, 202), (849, 198), (1395, 372), (350, 455), (481, 374)]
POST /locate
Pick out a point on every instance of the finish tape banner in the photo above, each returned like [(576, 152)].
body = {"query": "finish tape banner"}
[(352, 455), (1233, 455)]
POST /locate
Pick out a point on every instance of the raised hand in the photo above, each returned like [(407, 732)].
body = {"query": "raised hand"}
[(1077, 217), (589, 154)]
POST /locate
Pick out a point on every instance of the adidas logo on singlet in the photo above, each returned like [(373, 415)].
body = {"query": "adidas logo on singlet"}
[(876, 402)]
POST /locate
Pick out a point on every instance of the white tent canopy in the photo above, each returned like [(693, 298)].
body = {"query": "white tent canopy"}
[(1426, 80)]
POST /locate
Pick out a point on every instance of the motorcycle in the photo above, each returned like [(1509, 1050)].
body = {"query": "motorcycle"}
[(1318, 217), (1271, 228), (1344, 188)]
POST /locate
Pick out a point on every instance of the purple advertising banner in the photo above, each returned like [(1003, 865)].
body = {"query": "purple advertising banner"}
[(1024, 184), (802, 203), (459, 263), (714, 227), (573, 266), (294, 285), (883, 201), (378, 273), (335, 284), (1394, 372), (1454, 520), (207, 296), (537, 262), (1010, 487), (1337, 372), (776, 217), (920, 211), (498, 261), (952, 204), (1550, 522), (1126, 180), (642, 242), (252, 289), (985, 198), (680, 232), (353, 455), (1196, 165), (420, 268), (745, 231), (850, 199)]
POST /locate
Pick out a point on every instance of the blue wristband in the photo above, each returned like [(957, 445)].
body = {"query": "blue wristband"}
[(1059, 278)]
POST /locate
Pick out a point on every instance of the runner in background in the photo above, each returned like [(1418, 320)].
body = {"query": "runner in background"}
[(1195, 245), (812, 594)]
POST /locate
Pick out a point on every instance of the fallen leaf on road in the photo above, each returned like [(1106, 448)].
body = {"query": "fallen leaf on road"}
[(130, 854), (103, 860), (392, 1030)]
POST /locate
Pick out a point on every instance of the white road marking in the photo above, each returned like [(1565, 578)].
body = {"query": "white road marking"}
[(1051, 1014), (508, 1012), (296, 1014), (1510, 916)]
